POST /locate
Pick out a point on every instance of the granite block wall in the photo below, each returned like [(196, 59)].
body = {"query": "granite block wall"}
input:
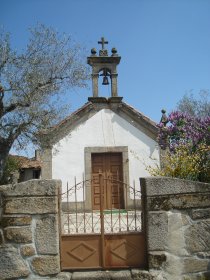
[(29, 230), (178, 227)]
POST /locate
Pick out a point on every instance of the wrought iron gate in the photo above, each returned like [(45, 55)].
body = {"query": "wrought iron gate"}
[(103, 238)]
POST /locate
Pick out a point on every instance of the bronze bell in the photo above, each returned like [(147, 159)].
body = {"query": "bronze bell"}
[(105, 81)]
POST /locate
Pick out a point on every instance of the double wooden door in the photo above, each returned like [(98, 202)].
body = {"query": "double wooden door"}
[(110, 166)]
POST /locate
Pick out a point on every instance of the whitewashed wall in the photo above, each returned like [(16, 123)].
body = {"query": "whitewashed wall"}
[(103, 129)]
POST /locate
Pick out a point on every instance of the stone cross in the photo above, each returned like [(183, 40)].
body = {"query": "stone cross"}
[(102, 42)]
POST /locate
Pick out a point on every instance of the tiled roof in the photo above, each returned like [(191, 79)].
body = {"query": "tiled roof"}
[(26, 163)]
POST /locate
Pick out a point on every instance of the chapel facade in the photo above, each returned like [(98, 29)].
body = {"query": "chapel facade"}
[(105, 135)]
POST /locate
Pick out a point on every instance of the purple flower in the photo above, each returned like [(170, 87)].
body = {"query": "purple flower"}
[(183, 128)]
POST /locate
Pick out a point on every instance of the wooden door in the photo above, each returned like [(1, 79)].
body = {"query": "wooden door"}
[(110, 166)]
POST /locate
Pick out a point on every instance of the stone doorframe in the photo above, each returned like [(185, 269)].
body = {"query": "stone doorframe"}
[(88, 167)]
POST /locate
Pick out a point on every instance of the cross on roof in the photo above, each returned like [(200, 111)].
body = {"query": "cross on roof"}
[(102, 42)]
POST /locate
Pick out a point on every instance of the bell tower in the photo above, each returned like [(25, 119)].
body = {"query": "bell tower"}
[(106, 65)]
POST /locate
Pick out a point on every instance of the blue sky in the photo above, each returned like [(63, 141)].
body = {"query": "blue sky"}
[(164, 44)]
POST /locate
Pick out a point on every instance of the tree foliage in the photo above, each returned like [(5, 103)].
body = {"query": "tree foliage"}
[(11, 167), (184, 136), (31, 83), (186, 142), (195, 107), (183, 129)]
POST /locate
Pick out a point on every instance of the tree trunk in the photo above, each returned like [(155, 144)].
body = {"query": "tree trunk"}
[(4, 152)]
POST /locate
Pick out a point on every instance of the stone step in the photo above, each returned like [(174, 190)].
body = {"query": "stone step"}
[(133, 274)]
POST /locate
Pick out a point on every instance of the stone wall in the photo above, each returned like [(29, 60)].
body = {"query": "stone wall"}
[(178, 228), (29, 230)]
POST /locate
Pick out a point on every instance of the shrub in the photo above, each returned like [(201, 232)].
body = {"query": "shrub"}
[(186, 144), (185, 163), (12, 166)]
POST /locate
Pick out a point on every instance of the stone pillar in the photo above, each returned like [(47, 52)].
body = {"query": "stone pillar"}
[(29, 233), (114, 84), (95, 84)]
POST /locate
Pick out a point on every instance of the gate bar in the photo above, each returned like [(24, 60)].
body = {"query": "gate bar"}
[(68, 207), (111, 208), (76, 203), (83, 188), (126, 206), (119, 201), (134, 186), (92, 209), (101, 182)]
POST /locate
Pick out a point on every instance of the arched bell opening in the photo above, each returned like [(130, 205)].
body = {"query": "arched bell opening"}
[(104, 82)]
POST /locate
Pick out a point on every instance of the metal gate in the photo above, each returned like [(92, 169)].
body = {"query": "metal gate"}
[(104, 238)]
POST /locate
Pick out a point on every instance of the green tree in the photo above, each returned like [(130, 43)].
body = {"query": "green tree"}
[(11, 167), (33, 84)]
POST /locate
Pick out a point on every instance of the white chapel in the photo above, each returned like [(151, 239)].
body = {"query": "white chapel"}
[(105, 135)]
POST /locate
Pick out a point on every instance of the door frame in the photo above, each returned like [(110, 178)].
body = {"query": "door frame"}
[(88, 169)]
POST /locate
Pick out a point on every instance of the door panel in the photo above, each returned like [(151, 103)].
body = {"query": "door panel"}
[(125, 250), (110, 165)]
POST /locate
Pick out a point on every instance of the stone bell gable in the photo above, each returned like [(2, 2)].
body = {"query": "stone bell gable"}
[(105, 66)]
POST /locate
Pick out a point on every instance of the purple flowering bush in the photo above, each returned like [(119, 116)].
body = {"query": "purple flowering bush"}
[(186, 141), (182, 128)]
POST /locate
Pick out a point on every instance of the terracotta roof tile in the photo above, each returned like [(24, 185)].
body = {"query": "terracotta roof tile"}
[(26, 163)]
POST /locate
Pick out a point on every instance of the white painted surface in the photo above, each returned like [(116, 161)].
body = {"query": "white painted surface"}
[(103, 129)]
